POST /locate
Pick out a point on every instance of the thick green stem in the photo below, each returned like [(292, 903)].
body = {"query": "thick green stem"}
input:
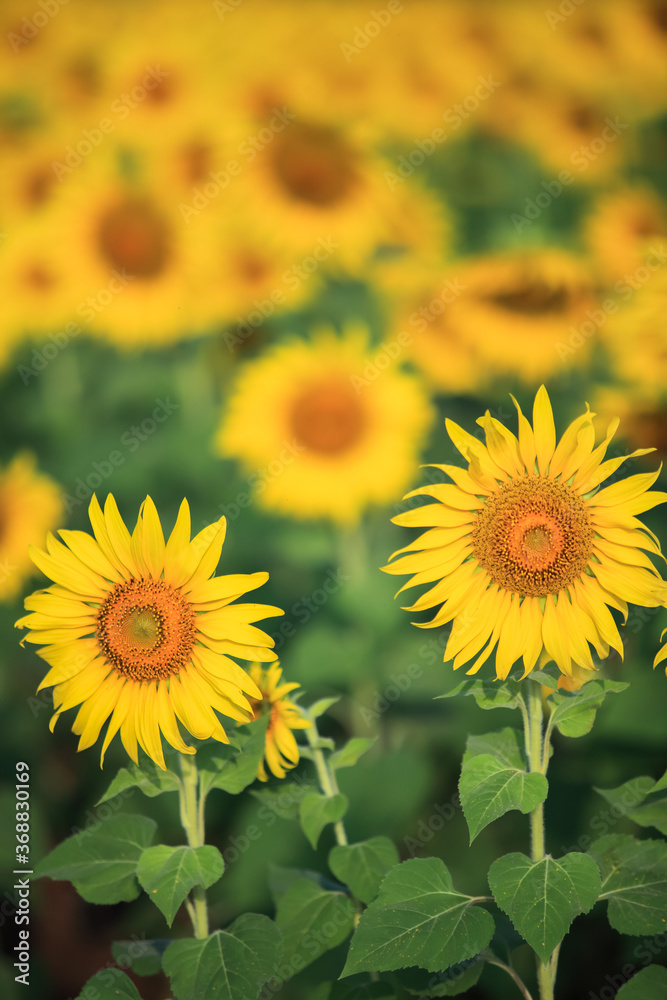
[(326, 777), (537, 761), (192, 819)]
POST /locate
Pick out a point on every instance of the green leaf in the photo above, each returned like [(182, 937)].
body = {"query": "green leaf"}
[(448, 983), (363, 866), (167, 874), (494, 779), (317, 811), (489, 694), (109, 984), (312, 921), (149, 779), (542, 898), (648, 984), (284, 800), (635, 800), (348, 755), (544, 678), (102, 861), (573, 712), (418, 919), (281, 879), (661, 784), (322, 706), (634, 880), (232, 964), (229, 767), (359, 988), (143, 957)]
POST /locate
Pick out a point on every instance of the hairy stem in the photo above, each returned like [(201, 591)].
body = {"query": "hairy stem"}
[(192, 820), (326, 777), (537, 761)]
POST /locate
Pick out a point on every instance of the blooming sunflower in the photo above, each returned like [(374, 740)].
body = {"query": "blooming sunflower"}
[(623, 230), (323, 430), (137, 629), (30, 504), (525, 553), (282, 752)]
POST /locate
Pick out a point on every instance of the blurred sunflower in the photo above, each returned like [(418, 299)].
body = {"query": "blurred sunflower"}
[(318, 186), (504, 314), (138, 629), (526, 553), (640, 33), (30, 504), (635, 336), (323, 430), (623, 228), (137, 267), (282, 752)]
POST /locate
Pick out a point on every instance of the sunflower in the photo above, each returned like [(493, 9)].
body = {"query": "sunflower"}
[(138, 630), (282, 751), (635, 336), (525, 553), (30, 504), (623, 229), (325, 427), (506, 313)]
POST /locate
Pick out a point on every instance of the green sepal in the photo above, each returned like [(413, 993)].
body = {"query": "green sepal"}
[(488, 694)]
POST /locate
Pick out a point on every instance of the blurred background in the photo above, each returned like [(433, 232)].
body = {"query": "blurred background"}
[(254, 253)]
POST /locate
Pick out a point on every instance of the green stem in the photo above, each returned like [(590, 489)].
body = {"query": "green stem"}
[(192, 819), (326, 777), (537, 761)]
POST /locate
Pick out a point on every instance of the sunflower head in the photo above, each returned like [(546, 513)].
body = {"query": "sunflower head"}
[(525, 553), (138, 631), (282, 751)]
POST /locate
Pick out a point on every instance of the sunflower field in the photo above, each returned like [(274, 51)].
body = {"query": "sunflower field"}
[(305, 303)]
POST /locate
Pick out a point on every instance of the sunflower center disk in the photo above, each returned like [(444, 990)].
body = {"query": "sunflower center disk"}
[(328, 417), (133, 235), (313, 164), (146, 629), (534, 536)]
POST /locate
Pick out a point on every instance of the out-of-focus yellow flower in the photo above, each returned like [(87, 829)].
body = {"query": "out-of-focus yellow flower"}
[(282, 752), (138, 630), (623, 229), (324, 430), (635, 336), (499, 315), (525, 553), (30, 504)]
